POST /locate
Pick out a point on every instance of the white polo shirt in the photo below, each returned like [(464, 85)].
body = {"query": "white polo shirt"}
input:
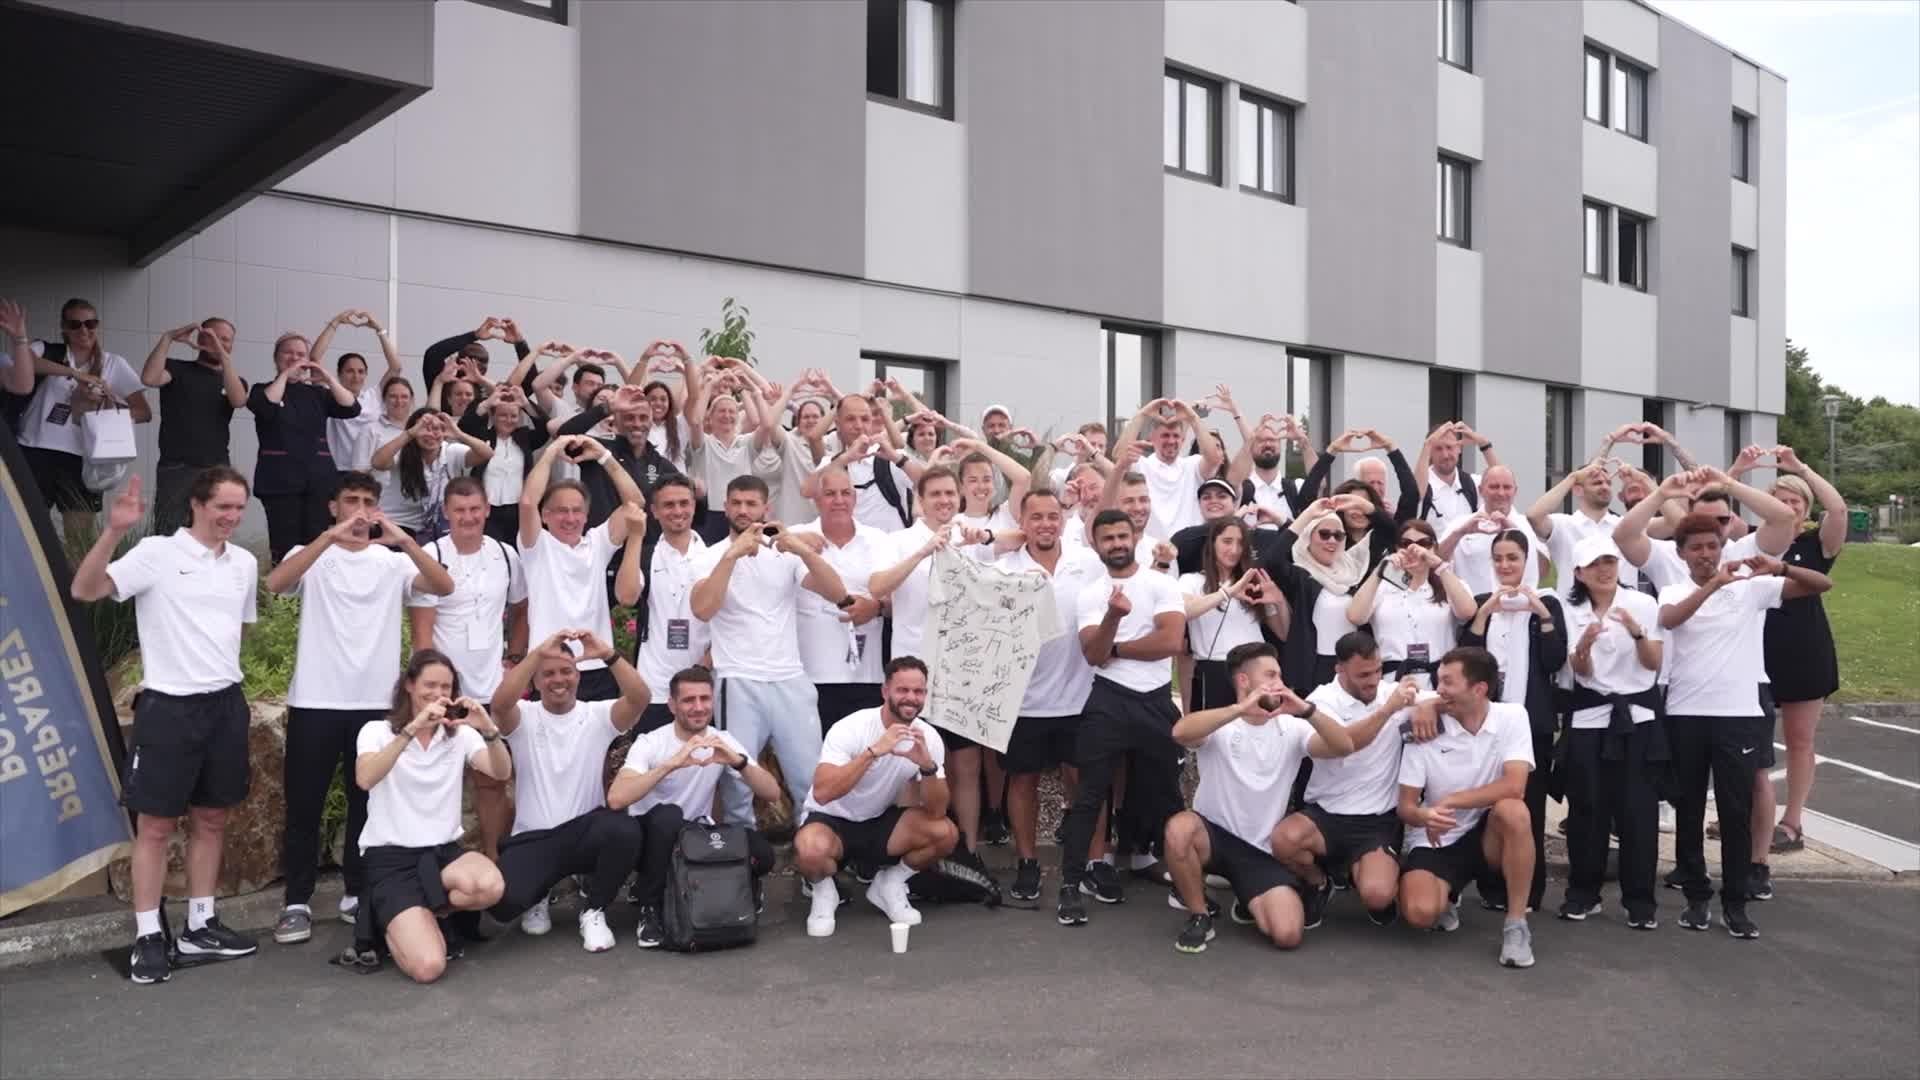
[(1616, 661), (189, 603), (1246, 774), (675, 639), (348, 656), (1409, 625), (755, 631), (1151, 594), (870, 506), (833, 651), (691, 789), (1213, 633), (567, 586), (558, 762), (1061, 676), (1458, 760), (1272, 496), (1473, 553), (469, 624), (885, 780), (1717, 660), (1450, 499), (1175, 487), (344, 435), (1366, 781), (1665, 567), (417, 804), (1570, 529), (909, 600)]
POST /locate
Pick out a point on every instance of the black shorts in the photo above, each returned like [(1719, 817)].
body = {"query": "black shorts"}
[(1039, 743), (862, 841), (1347, 837), (58, 476), (954, 742), (188, 751), (399, 878), (597, 684), (652, 718), (1249, 870), (1458, 863)]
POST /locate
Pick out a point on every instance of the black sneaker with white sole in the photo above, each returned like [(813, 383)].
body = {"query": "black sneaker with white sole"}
[(1760, 882), (1315, 903), (148, 964), (1648, 921), (1070, 911), (1674, 881), (1195, 934), (1697, 917), (1578, 910), (1385, 916), (1240, 913), (1026, 882), (650, 934), (1103, 884), (1177, 904), (215, 941), (1738, 925)]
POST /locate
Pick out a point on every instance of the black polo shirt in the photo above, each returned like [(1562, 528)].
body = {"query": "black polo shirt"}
[(195, 416)]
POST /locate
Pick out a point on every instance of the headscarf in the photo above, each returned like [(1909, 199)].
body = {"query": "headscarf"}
[(1348, 567)]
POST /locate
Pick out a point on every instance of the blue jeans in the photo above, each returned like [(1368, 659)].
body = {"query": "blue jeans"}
[(784, 713)]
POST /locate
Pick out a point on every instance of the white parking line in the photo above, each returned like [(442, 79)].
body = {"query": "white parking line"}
[(1822, 759), (1884, 724)]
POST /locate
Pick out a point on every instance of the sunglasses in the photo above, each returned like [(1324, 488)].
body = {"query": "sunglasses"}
[(1328, 534), (1415, 541), (81, 324)]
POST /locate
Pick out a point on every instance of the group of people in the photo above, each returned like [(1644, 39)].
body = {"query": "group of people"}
[(1376, 689)]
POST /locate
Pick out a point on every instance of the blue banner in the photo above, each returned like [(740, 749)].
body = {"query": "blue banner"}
[(60, 815)]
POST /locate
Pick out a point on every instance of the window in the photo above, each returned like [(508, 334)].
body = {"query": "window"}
[(1132, 360), (1653, 456), (1742, 146), (910, 53), (1446, 397), (1595, 216), (1596, 86), (1616, 93), (1736, 438), (1265, 147), (1630, 251), (1455, 201), (923, 378), (1456, 33), (1307, 400), (553, 10), (1559, 434), (1191, 141), (1742, 282)]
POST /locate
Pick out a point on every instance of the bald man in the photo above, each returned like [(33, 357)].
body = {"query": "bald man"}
[(1468, 541)]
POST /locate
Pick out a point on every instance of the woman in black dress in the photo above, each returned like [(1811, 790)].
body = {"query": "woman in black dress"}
[(1801, 662)]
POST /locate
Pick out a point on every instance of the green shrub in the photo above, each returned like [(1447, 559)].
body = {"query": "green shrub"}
[(1910, 532)]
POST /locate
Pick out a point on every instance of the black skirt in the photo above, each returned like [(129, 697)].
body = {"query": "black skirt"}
[(1801, 661)]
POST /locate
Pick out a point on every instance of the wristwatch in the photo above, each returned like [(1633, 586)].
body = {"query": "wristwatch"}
[(929, 772), (989, 533), (844, 602)]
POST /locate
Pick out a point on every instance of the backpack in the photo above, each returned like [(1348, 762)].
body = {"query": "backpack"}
[(709, 900), (1467, 492), (890, 490)]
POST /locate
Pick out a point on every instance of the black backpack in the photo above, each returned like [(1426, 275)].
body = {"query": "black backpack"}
[(709, 901)]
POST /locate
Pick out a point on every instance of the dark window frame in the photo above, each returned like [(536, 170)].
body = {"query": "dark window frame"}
[(1627, 108), (1642, 262), (1465, 42), (943, 13), (1465, 167), (934, 368), (556, 12), (1216, 94), (1151, 342), (1653, 456), (1284, 114), (1742, 272), (1742, 147), (1605, 119), (1559, 438), (1454, 384), (1605, 235)]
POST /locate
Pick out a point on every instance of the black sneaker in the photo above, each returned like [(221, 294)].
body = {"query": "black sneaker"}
[(215, 942), (993, 829), (1697, 917), (651, 934), (1577, 911), (1177, 904), (1070, 912), (1195, 935), (1315, 903), (759, 896), (1647, 921), (1760, 882), (1340, 876), (1103, 883), (1239, 913), (1674, 881), (1738, 925), (863, 872), (1026, 882), (148, 963), (1385, 916)]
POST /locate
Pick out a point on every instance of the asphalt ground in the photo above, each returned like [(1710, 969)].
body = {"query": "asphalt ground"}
[(1866, 772), (1831, 989)]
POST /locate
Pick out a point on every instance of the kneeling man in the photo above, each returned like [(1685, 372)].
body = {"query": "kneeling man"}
[(1249, 753), (1463, 799), (856, 811)]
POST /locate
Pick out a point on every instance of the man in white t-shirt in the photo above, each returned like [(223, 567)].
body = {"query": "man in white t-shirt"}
[(1716, 663), (882, 475), (193, 593), (1711, 492), (1463, 801), (1173, 477), (1468, 540), (879, 796), (670, 777), (1049, 723), (561, 823), (748, 591), (904, 581), (1130, 626), (1346, 824), (1248, 753), (1447, 493), (1592, 490), (670, 638), (840, 647), (352, 585)]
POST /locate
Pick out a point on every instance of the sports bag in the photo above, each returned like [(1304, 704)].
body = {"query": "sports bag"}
[(709, 902)]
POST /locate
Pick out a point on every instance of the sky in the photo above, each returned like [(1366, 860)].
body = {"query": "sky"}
[(1853, 176)]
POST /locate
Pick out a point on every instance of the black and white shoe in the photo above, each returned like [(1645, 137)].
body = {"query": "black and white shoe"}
[(968, 866), (1026, 882), (1177, 904), (1738, 925), (1649, 921), (1577, 911), (1195, 934), (650, 935), (1103, 884), (148, 964), (1697, 917), (1240, 913), (1760, 882), (1070, 911), (1315, 903), (215, 942), (993, 829), (1674, 881), (1385, 916)]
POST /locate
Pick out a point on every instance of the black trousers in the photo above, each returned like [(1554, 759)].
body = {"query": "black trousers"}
[(503, 523), (318, 742), (661, 825), (840, 700), (1537, 812), (1119, 721), (1726, 750), (1601, 792), (293, 520), (602, 843)]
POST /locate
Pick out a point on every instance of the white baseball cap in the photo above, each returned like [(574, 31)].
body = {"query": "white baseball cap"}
[(1593, 547)]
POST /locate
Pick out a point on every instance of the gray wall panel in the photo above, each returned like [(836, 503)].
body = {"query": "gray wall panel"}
[(1527, 199), (1367, 139), (1065, 194), (1692, 109), (728, 127)]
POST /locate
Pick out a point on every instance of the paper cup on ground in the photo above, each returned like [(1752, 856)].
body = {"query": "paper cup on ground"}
[(899, 931)]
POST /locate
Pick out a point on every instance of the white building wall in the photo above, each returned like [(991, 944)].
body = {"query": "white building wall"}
[(1625, 27), (1256, 372), (1596, 413), (909, 323), (1742, 363), (1261, 45), (1770, 339), (916, 199), (1702, 431), (1047, 366), (1619, 337), (1460, 112), (1458, 339), (1743, 214), (1367, 391), (1620, 170), (1513, 414), (1235, 262)]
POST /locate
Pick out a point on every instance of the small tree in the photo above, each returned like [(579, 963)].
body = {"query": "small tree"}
[(734, 339)]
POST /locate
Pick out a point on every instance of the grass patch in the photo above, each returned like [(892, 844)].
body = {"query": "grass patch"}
[(1875, 611)]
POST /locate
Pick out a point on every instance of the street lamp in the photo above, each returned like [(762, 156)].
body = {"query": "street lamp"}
[(1832, 403)]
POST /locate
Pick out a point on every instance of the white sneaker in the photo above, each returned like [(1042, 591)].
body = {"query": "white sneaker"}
[(349, 909), (537, 920), (826, 901), (593, 930), (1449, 920), (889, 893)]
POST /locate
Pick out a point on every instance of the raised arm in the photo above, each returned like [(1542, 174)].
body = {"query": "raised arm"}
[(1540, 514), (154, 372), (1630, 535), (1833, 508), (90, 578)]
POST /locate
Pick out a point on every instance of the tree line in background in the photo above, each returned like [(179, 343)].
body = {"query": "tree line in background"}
[(1877, 442)]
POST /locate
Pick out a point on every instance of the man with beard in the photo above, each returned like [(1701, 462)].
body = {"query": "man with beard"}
[(1172, 477), (197, 401), (863, 805), (1468, 540), (1258, 471), (670, 638), (630, 450), (1591, 517), (1446, 493)]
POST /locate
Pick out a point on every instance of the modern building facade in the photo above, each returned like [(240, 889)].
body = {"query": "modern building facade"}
[(1546, 217)]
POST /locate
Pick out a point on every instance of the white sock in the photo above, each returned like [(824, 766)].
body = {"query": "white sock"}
[(1107, 858), (349, 903), (1141, 860), (199, 910), (896, 874), (146, 922), (826, 892), (300, 907)]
